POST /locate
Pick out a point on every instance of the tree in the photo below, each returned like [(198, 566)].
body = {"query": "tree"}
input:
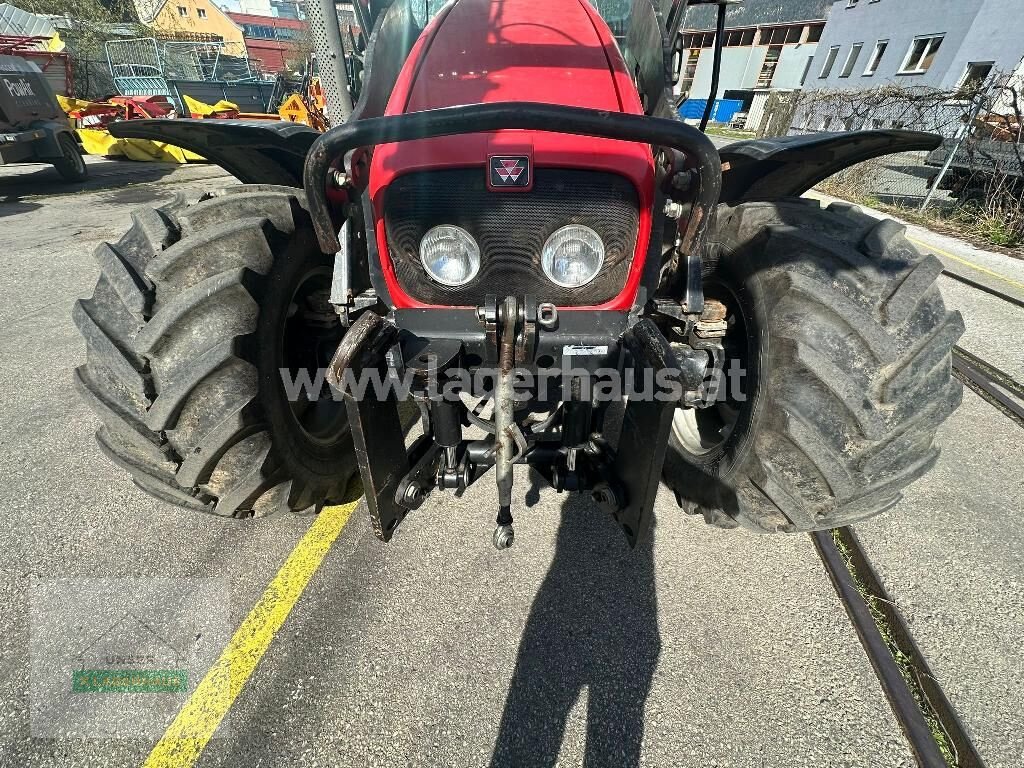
[(85, 26)]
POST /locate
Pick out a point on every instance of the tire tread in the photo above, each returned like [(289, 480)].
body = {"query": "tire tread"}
[(889, 401)]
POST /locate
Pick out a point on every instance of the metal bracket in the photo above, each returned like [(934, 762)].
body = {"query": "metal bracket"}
[(644, 436), (341, 279), (419, 482), (374, 423), (526, 341), (488, 316), (692, 283)]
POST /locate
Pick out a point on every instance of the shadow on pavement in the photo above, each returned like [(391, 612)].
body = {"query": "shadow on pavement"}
[(43, 180), (10, 205), (593, 625)]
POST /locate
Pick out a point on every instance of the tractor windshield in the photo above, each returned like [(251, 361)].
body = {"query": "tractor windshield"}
[(615, 13), (424, 10), (620, 14)]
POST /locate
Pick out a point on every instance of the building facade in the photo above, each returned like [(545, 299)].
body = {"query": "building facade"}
[(768, 47), (934, 43), (773, 56), (192, 20), (283, 9), (271, 40)]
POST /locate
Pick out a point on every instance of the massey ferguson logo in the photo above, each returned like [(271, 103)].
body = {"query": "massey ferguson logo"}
[(510, 171)]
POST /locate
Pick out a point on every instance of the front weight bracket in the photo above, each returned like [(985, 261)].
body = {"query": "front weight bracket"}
[(643, 440), (373, 419)]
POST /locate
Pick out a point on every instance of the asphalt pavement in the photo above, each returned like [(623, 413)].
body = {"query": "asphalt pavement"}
[(703, 647)]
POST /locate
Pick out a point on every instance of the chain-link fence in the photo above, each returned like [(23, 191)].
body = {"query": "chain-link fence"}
[(976, 176)]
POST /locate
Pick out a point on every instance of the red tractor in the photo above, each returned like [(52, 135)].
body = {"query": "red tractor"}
[(514, 231)]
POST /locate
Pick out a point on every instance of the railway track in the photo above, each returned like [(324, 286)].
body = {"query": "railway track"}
[(935, 733), (992, 384), (983, 287)]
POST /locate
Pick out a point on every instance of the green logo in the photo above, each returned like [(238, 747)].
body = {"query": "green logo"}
[(129, 681)]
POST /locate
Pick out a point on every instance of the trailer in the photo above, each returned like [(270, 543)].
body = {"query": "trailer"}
[(33, 127)]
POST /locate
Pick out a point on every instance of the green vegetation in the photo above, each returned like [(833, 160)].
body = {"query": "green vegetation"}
[(730, 133), (906, 666), (998, 220), (86, 27)]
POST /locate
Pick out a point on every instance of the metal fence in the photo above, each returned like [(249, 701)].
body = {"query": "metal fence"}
[(902, 180), (982, 154)]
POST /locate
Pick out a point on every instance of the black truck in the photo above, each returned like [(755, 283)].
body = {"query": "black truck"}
[(33, 127)]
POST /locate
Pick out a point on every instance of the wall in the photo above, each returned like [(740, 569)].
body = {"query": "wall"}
[(997, 35), (271, 53), (735, 63), (216, 23), (792, 65), (742, 66), (898, 21)]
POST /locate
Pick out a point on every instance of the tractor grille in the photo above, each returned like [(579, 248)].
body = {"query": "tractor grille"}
[(511, 228)]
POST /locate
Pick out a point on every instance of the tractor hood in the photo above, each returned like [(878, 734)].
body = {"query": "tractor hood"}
[(506, 51), (515, 50), (488, 51)]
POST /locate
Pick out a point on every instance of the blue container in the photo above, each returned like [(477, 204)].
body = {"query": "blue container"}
[(722, 112)]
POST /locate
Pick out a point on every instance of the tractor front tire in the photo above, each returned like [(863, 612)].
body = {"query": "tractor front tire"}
[(839, 333), (200, 313)]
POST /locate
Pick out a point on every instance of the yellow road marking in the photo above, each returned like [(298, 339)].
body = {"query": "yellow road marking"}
[(186, 737), (970, 264)]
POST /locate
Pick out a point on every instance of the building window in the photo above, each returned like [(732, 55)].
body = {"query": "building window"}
[(830, 61), (182, 10), (807, 69), (876, 57), (921, 55), (698, 39), (780, 35), (258, 31), (976, 75), (814, 32), (735, 38), (201, 13), (689, 70), (771, 61), (851, 60)]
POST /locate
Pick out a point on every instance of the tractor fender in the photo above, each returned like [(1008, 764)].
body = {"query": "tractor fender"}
[(254, 152), (769, 169)]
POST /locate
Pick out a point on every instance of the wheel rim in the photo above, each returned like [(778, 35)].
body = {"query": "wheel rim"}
[(703, 430), (310, 335)]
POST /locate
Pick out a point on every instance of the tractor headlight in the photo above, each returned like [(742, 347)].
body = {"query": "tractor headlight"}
[(572, 256), (450, 255)]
